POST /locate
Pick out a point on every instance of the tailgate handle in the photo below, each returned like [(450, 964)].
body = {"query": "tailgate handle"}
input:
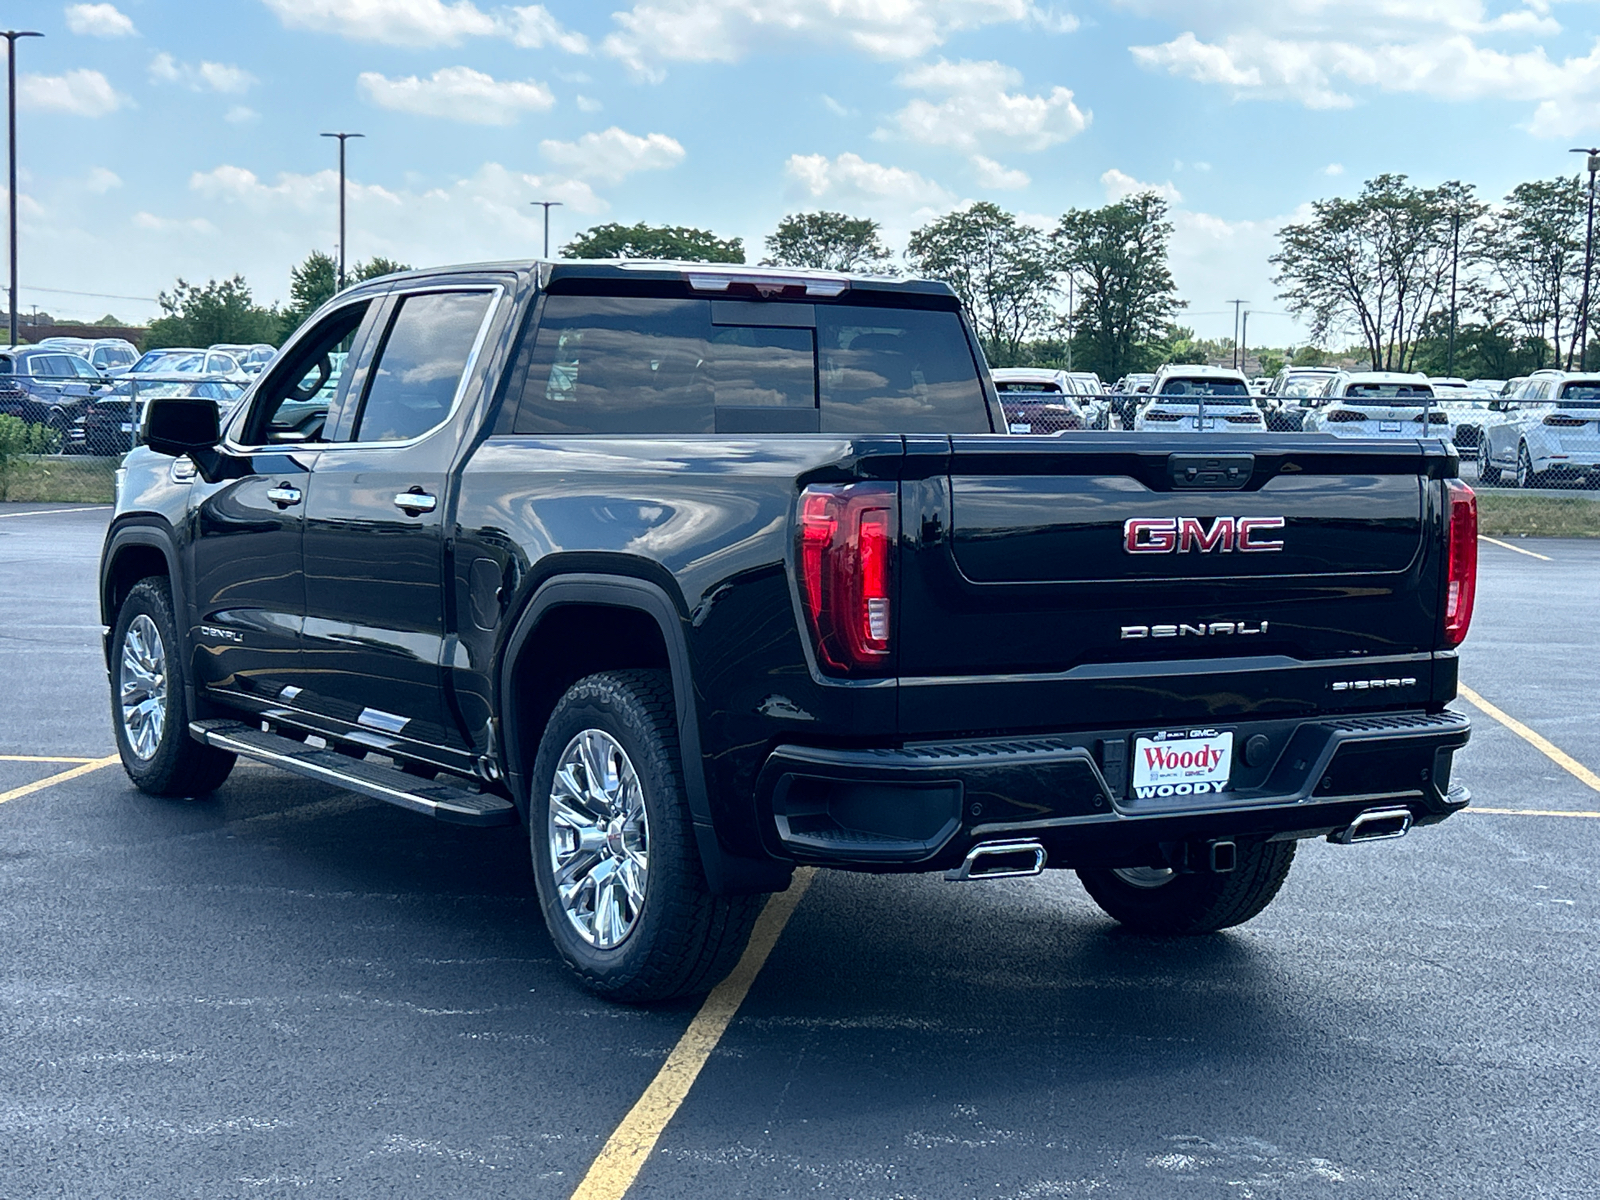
[(1210, 472)]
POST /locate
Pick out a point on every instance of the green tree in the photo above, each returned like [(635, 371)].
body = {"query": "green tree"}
[(1380, 262), (314, 282), (1126, 295), (830, 241), (1000, 268), (673, 242), (1534, 244), (217, 312)]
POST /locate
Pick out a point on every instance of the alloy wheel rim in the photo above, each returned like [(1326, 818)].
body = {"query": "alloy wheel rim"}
[(1145, 877), (599, 838), (142, 687), (1524, 468)]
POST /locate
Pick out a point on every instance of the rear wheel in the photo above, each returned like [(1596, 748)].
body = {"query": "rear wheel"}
[(1159, 900), (1488, 473), (148, 710), (1527, 477), (619, 877)]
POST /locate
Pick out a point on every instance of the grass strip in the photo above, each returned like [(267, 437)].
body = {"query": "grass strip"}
[(61, 479), (1502, 514)]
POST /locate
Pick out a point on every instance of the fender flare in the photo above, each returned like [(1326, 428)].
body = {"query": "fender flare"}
[(154, 532), (726, 873)]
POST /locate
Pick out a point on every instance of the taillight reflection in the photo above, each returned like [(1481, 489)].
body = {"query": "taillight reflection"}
[(846, 544), (1462, 581)]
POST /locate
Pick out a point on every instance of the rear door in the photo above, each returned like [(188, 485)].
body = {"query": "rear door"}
[(1125, 579)]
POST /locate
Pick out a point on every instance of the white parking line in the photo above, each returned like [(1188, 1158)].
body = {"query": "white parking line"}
[(50, 512), (1484, 537)]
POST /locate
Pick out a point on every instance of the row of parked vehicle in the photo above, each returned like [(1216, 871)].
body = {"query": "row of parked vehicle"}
[(87, 392), (1540, 430)]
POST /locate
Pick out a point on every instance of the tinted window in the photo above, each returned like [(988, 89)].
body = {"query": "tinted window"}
[(1012, 385), (1385, 393), (892, 370), (1204, 387), (420, 364), (292, 403)]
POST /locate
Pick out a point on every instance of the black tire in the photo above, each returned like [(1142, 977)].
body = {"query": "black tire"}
[(170, 763), (1488, 473), (1202, 902), (1527, 477), (681, 939)]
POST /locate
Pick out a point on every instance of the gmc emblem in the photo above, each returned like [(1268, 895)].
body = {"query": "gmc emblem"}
[(1168, 535)]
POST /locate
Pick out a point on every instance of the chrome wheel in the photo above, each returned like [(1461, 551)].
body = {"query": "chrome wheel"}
[(599, 839), (1145, 877), (142, 687)]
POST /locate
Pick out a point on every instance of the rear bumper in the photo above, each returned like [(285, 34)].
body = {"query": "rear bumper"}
[(922, 807)]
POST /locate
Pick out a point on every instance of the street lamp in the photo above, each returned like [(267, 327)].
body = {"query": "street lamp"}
[(343, 137), (1588, 261), (547, 205), (10, 71)]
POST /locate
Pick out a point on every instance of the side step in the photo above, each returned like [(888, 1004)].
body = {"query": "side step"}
[(381, 783)]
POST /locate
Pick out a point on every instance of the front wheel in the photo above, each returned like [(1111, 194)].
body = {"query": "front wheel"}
[(1163, 901), (619, 877), (148, 711)]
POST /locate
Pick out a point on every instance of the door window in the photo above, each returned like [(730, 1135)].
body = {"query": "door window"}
[(292, 403), (420, 364)]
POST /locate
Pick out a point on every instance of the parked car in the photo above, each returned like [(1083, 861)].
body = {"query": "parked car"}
[(1468, 414), (571, 542), (108, 356), (1193, 399), (41, 385), (1292, 393), (1038, 400), (1379, 404), (251, 358), (106, 426), (1550, 431), (1130, 393), (1093, 399), (187, 360)]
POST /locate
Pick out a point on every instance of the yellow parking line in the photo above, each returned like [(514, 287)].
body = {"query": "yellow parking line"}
[(1532, 812), (1551, 751), (43, 758), (87, 768), (627, 1149), (50, 512), (1484, 537)]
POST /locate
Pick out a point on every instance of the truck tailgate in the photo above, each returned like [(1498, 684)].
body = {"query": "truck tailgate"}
[(1128, 575)]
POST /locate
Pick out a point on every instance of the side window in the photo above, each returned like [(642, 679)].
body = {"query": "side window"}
[(894, 370), (291, 405), (609, 364), (420, 363)]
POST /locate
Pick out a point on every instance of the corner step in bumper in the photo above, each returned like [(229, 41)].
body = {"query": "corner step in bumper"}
[(381, 783)]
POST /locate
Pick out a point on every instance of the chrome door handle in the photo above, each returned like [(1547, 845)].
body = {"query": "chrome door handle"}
[(283, 495), (415, 502)]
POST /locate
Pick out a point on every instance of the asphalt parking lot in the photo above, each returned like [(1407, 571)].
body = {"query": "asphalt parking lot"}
[(285, 990)]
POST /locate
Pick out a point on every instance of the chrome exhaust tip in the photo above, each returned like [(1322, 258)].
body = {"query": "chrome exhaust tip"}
[(1000, 860), (1375, 825)]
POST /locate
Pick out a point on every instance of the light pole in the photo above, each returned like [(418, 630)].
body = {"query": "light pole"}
[(1236, 306), (343, 137), (11, 36), (1588, 262), (547, 205), (1244, 335)]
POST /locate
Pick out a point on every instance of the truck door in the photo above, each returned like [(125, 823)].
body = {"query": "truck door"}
[(375, 630)]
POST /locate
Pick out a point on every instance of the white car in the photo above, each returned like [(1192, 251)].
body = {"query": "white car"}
[(1550, 427), (1379, 404), (1191, 399), (108, 356), (1039, 400)]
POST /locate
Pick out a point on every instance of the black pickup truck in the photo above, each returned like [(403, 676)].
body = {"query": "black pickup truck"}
[(702, 572)]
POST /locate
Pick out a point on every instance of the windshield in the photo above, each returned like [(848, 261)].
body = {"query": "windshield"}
[(1387, 393), (1305, 386)]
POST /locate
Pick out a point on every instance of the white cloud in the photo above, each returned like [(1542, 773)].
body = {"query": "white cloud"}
[(82, 93), (102, 180), (614, 154), (837, 109), (975, 108), (241, 114), (99, 20), (1202, 166), (587, 104), (427, 23), (208, 76), (996, 176), (1333, 169), (1119, 185), (657, 31), (849, 176), (458, 94)]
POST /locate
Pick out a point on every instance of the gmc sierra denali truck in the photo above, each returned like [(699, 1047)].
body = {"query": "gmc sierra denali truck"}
[(702, 572)]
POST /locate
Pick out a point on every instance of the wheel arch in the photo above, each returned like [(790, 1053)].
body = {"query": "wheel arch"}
[(137, 548)]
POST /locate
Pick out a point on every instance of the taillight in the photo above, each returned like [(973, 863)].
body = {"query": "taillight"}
[(1560, 422), (1437, 418), (846, 544), (1462, 582), (1344, 415)]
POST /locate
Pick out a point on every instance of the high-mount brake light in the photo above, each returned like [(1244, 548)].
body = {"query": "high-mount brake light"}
[(846, 543), (1462, 580)]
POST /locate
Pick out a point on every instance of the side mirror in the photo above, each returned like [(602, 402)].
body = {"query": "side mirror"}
[(179, 425)]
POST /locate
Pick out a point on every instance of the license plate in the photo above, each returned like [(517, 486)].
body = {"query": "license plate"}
[(1182, 762), (1388, 426), (1209, 424), (127, 427)]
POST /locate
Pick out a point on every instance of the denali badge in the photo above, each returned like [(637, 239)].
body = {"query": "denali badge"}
[(1166, 535), (1204, 629)]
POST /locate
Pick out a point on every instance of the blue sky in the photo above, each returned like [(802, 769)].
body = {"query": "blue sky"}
[(163, 138)]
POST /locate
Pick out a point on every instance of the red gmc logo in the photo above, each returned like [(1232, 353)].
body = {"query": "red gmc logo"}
[(1168, 535)]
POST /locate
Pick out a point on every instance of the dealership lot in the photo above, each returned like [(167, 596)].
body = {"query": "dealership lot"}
[(289, 990)]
